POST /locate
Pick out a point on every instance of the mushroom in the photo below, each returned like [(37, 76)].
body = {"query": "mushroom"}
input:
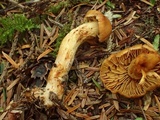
[(132, 72), (96, 26)]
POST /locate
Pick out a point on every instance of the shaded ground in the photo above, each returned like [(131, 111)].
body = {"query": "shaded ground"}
[(34, 50)]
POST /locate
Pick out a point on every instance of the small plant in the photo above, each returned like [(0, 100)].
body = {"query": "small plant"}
[(11, 24), (110, 4), (156, 42), (153, 2), (139, 118)]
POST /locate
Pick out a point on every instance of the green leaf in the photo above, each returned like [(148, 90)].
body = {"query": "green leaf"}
[(97, 84), (153, 2), (110, 4), (139, 118), (156, 42)]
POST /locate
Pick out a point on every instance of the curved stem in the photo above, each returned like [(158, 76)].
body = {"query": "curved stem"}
[(64, 61)]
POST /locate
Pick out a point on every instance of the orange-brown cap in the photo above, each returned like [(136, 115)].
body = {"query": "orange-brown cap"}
[(105, 27), (121, 74)]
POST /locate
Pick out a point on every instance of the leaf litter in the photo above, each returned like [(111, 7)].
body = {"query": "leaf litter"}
[(85, 96)]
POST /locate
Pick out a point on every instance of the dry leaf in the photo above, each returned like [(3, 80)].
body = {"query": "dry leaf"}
[(44, 53), (73, 108), (147, 101), (46, 30), (115, 102), (68, 97), (10, 60), (130, 18), (13, 84), (9, 95), (80, 115), (145, 41), (158, 102), (5, 113), (54, 37), (110, 109), (83, 103), (104, 105), (26, 46), (96, 117), (41, 35), (103, 115), (148, 3), (73, 97)]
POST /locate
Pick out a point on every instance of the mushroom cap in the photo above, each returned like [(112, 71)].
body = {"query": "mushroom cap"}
[(105, 27), (114, 72)]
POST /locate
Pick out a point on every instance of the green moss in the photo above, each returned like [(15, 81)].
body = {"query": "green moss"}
[(56, 8), (11, 24), (62, 33)]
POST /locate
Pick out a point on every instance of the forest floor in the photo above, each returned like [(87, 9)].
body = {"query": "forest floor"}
[(30, 36)]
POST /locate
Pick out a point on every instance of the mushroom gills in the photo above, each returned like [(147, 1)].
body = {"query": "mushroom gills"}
[(132, 72)]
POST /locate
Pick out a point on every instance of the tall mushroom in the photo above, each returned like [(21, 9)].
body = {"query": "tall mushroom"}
[(132, 72), (96, 26)]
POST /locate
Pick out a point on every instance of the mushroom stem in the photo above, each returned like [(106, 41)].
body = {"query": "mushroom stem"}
[(65, 57), (142, 80)]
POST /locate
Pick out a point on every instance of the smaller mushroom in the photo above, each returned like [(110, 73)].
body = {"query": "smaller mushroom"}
[(132, 72)]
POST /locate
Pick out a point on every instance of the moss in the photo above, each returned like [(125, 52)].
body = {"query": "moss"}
[(56, 8), (11, 24)]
